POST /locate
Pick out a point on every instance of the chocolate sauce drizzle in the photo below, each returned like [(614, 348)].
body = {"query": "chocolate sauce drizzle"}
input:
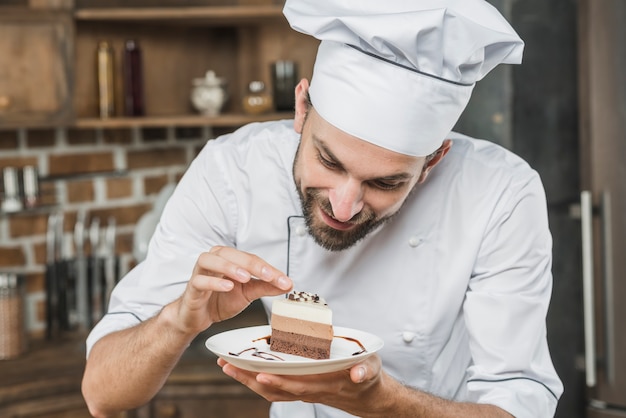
[(257, 353), (270, 356), (354, 340)]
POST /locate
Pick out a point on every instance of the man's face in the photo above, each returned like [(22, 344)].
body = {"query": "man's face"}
[(348, 186)]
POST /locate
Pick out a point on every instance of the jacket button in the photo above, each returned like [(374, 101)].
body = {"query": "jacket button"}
[(301, 230), (415, 241), (408, 336)]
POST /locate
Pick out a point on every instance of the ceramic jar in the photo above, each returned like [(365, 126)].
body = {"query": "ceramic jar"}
[(208, 94)]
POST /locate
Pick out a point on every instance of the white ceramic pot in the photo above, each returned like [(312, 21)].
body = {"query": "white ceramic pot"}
[(208, 94)]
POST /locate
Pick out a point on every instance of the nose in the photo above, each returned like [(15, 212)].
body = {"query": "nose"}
[(346, 199)]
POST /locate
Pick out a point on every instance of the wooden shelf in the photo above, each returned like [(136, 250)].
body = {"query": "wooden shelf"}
[(214, 14), (225, 120)]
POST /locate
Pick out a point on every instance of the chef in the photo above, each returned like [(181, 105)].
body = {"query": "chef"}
[(433, 241)]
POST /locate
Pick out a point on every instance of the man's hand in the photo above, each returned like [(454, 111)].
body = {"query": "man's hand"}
[(224, 282), (139, 359), (357, 390), (364, 390)]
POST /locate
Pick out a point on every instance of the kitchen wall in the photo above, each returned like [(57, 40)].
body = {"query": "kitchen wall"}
[(106, 173)]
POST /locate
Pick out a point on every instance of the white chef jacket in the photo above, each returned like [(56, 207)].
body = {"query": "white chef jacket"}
[(457, 284)]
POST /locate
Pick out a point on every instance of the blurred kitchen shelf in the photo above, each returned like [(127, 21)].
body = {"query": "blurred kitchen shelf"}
[(85, 175), (42, 208), (224, 120), (202, 15), (237, 39)]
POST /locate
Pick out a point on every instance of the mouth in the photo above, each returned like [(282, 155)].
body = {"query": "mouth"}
[(334, 223)]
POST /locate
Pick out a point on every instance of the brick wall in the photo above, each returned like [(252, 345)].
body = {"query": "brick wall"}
[(106, 173)]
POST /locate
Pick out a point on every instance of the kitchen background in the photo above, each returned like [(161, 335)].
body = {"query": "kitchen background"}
[(117, 172)]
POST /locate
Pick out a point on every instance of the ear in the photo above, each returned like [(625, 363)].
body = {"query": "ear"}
[(302, 107), (438, 155)]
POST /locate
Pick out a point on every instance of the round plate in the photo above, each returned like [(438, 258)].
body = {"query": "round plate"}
[(341, 351)]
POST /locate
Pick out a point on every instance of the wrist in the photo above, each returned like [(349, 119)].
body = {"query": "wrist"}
[(389, 397), (169, 321)]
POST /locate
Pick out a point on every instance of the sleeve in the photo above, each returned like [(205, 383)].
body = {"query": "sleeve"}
[(506, 306), (201, 213)]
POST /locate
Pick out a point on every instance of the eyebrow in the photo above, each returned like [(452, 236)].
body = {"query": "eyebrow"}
[(393, 177)]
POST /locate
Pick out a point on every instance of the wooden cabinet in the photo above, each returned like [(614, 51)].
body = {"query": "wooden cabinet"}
[(178, 44), (36, 74), (44, 382), (238, 41)]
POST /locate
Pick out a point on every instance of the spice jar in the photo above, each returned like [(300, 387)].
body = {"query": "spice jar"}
[(12, 325), (257, 100)]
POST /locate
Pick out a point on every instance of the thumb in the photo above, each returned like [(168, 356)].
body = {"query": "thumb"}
[(368, 369), (358, 373)]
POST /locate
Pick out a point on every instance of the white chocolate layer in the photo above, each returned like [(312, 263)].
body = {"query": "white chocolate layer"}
[(307, 311)]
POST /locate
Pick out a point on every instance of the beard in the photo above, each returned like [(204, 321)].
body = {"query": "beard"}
[(330, 238), (324, 235)]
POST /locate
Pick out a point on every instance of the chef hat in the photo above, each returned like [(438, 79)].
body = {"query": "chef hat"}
[(398, 73)]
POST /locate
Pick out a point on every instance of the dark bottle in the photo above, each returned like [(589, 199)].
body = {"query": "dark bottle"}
[(133, 80)]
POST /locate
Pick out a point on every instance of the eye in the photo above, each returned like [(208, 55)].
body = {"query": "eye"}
[(327, 162), (385, 185)]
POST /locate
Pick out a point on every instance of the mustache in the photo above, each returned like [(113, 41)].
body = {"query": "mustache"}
[(362, 217)]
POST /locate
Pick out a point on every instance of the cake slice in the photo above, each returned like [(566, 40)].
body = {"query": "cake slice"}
[(302, 325)]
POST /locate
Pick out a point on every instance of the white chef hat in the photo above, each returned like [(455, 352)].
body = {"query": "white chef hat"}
[(398, 73)]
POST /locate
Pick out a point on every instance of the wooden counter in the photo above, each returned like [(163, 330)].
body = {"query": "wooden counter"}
[(45, 382)]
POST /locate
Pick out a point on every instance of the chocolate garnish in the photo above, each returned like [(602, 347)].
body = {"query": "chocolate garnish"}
[(304, 297), (267, 338), (257, 353), (354, 340)]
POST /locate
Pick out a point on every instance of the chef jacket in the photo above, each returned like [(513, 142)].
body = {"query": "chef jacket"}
[(457, 284)]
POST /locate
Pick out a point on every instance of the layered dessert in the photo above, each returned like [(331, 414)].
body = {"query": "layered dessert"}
[(302, 325)]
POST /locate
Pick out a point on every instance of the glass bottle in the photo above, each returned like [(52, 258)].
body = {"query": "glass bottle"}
[(257, 101), (133, 79), (106, 87)]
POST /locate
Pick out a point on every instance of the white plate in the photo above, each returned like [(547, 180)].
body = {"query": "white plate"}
[(341, 351)]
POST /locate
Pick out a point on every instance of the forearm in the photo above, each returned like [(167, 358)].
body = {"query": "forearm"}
[(126, 369), (394, 399)]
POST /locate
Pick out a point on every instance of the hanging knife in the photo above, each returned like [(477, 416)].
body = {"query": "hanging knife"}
[(95, 279), (61, 274), (81, 272), (52, 324), (109, 272)]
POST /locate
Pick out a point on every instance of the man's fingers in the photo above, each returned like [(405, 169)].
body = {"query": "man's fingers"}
[(241, 267)]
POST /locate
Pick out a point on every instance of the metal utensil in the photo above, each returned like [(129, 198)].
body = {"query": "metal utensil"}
[(82, 313), (52, 303), (62, 274), (95, 278), (110, 262)]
